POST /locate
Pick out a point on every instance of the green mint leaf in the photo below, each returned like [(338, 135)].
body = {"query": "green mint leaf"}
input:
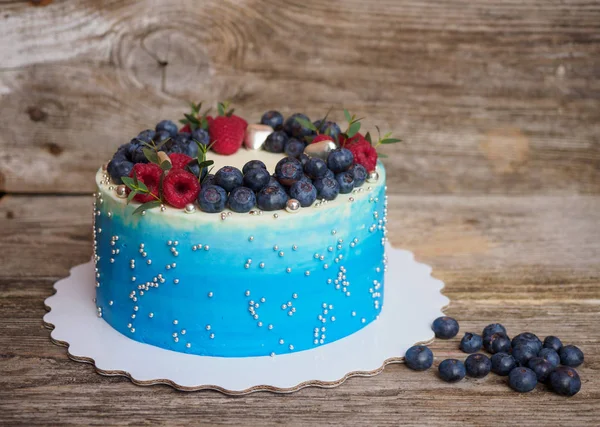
[(381, 155), (128, 182), (368, 137), (306, 123), (141, 187), (204, 123), (151, 155), (183, 121), (159, 146), (205, 163), (192, 119), (135, 180), (166, 165), (130, 196), (390, 141), (353, 129), (147, 206), (230, 112), (221, 109), (347, 115), (309, 138)]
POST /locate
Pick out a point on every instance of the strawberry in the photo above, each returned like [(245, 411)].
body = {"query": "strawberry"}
[(241, 121), (226, 135), (186, 128)]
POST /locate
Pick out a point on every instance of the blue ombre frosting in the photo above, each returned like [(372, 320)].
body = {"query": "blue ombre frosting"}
[(249, 285)]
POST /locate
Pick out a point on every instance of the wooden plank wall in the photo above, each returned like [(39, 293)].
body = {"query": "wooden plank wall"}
[(489, 96)]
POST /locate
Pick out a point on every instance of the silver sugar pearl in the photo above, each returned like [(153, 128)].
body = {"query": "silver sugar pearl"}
[(121, 191), (292, 206), (189, 208), (373, 177)]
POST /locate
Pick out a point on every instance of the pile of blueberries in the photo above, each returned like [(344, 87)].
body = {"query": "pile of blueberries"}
[(304, 179), (525, 359)]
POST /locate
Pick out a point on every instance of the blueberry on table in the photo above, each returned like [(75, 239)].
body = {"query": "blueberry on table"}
[(529, 339), (445, 327), (271, 198), (228, 178), (523, 353), (470, 343), (552, 342), (256, 179), (522, 380), (275, 142), (452, 370), (492, 329), (340, 160), (503, 363), (212, 198), (541, 367), (550, 355), (253, 164), (565, 381), (360, 174), (167, 126), (304, 192), (571, 355), (497, 342), (272, 118), (294, 147), (478, 365), (315, 168), (241, 199), (327, 188), (418, 358), (345, 181)]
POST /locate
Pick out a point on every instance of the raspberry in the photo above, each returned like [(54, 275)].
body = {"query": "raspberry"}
[(226, 134), (179, 160), (149, 174), (364, 153), (180, 188), (186, 128), (321, 137)]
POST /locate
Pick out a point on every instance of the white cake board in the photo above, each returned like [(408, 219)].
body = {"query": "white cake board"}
[(412, 301)]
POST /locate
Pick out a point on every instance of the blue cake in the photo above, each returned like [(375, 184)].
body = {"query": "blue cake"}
[(238, 284)]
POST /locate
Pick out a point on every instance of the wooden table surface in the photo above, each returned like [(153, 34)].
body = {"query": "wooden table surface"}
[(496, 185)]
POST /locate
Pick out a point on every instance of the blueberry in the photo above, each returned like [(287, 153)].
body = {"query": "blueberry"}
[(212, 198), (492, 329), (241, 199), (272, 118), (253, 164), (522, 380), (541, 367), (306, 178), (503, 363), (497, 342), (146, 135), (329, 174), (445, 327), (275, 142), (201, 136), (452, 370), (418, 358), (340, 160), (346, 182), (304, 192), (167, 126), (527, 338), (161, 136), (571, 355), (288, 171), (194, 168), (293, 147), (327, 188), (182, 143), (229, 178), (470, 343), (294, 128), (209, 179), (271, 198), (523, 353), (328, 128), (256, 179), (118, 167), (315, 168), (565, 381), (552, 342), (551, 356), (360, 174), (273, 182), (137, 154), (478, 365), (303, 159)]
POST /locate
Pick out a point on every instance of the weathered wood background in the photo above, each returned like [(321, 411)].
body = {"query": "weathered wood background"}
[(496, 185)]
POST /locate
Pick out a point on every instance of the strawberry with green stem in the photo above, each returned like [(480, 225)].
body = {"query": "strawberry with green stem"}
[(226, 130), (196, 119)]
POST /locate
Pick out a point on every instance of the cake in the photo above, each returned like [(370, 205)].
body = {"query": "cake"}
[(237, 280)]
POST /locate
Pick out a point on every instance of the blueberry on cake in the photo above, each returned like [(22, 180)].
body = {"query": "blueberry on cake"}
[(228, 239)]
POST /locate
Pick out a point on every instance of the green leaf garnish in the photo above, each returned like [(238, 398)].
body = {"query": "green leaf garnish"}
[(390, 141), (347, 115), (383, 156), (130, 196), (368, 137), (205, 164), (307, 124), (151, 155), (166, 165), (147, 206), (353, 129)]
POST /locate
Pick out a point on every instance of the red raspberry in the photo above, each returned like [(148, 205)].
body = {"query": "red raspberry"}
[(179, 160), (180, 187), (226, 134), (356, 138), (186, 128), (321, 137), (364, 153), (149, 174)]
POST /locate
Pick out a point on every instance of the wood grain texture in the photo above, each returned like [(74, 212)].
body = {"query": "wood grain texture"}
[(528, 262), (491, 97)]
